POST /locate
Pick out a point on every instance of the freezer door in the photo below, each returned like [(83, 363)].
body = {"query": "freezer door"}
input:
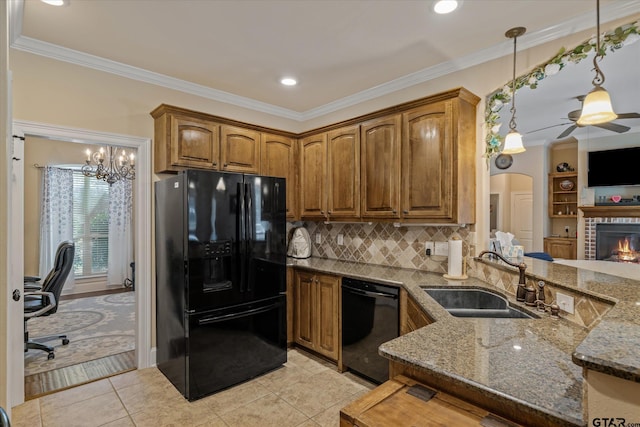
[(232, 345), (212, 240), (266, 246)]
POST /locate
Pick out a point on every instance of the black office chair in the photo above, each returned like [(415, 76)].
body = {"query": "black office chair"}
[(45, 300), (4, 418)]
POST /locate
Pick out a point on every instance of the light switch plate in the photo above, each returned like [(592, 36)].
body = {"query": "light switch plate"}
[(340, 240), (318, 238), (442, 248), (565, 302)]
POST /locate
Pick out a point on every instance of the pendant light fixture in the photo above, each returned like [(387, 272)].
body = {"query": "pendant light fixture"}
[(596, 108), (513, 141)]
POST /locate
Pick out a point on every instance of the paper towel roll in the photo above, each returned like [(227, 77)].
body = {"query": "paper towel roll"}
[(455, 258)]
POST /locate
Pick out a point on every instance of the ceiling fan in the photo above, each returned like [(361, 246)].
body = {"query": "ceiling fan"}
[(614, 127)]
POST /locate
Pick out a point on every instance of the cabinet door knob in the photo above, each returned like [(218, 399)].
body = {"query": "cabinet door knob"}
[(215, 164), (394, 211), (322, 212), (405, 212), (329, 212), (225, 165)]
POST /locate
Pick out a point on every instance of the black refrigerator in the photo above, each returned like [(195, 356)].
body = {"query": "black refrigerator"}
[(220, 279)]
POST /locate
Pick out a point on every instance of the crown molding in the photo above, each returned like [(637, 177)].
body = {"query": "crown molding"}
[(614, 11)]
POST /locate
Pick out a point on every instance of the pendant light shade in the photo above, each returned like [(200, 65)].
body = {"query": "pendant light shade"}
[(597, 108), (513, 142)]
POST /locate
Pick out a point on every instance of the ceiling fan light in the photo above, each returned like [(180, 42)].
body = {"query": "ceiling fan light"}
[(513, 143), (596, 108)]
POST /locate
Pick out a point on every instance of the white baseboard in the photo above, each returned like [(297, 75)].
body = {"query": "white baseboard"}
[(152, 356)]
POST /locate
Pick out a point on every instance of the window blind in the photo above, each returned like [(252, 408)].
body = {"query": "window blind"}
[(90, 225)]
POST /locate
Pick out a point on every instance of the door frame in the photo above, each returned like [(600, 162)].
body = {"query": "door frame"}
[(142, 230)]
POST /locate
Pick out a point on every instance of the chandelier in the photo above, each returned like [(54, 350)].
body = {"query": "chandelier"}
[(110, 164)]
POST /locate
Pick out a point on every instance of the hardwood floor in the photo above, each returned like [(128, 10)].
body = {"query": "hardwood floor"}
[(44, 383)]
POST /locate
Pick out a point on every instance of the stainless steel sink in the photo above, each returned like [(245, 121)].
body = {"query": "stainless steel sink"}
[(471, 302)]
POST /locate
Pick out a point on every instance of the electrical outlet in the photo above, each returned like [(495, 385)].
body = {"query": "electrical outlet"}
[(429, 248), (442, 248), (565, 302), (318, 238), (340, 240), (566, 229)]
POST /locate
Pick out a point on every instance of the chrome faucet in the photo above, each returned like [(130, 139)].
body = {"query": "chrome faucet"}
[(521, 268)]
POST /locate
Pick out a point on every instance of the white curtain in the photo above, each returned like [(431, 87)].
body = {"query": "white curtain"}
[(56, 217), (120, 235)]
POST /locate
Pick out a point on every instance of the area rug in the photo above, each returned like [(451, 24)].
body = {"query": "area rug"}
[(96, 327)]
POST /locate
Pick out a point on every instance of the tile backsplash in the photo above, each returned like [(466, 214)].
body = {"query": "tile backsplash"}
[(385, 244)]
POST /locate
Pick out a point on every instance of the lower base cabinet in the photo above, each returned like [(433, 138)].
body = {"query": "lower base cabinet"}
[(412, 317), (561, 247), (402, 401), (316, 320)]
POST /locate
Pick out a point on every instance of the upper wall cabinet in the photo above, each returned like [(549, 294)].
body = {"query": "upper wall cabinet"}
[(330, 175), (240, 151), (185, 142), (313, 167), (278, 158), (189, 139), (343, 173), (419, 165), (438, 161), (380, 165)]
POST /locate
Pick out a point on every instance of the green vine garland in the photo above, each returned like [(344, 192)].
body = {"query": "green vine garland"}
[(612, 41)]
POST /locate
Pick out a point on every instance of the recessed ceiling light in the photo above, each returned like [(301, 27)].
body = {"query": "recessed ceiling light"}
[(56, 2), (289, 81), (445, 6)]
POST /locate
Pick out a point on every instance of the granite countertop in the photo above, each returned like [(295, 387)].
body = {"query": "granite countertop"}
[(530, 362), (611, 347)]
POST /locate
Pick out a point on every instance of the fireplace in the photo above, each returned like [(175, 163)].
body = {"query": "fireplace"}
[(618, 242)]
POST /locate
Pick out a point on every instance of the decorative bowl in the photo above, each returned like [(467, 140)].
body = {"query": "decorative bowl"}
[(616, 199), (566, 185)]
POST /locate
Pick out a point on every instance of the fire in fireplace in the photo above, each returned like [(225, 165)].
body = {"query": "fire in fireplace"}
[(618, 242)]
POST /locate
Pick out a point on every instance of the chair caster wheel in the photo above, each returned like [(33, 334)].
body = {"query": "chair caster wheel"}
[(65, 341), (51, 356)]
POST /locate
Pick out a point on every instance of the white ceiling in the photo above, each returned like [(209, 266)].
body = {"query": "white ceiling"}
[(341, 51)]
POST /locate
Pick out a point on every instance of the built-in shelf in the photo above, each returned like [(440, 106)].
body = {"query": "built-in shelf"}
[(610, 211), (563, 195)]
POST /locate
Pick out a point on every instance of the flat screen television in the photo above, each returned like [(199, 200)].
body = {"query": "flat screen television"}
[(614, 167)]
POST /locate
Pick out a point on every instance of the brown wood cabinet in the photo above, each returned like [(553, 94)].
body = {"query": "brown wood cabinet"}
[(316, 312), (313, 167), (380, 167), (240, 149), (185, 142), (190, 139), (561, 247), (278, 158), (402, 401), (343, 173), (412, 316), (290, 303), (438, 162)]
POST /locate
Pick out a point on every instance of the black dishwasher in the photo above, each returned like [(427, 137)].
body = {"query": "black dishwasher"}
[(369, 318)]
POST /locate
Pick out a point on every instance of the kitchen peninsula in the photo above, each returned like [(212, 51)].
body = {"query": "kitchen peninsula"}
[(526, 370)]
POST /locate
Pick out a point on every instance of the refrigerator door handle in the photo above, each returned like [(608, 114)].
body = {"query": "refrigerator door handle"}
[(249, 233), (252, 312), (242, 243)]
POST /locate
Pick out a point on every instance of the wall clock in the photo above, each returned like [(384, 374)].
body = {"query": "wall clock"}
[(503, 161)]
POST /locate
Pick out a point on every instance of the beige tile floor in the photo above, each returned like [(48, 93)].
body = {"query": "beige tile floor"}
[(305, 392)]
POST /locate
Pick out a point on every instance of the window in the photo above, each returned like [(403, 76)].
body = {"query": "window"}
[(90, 225)]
